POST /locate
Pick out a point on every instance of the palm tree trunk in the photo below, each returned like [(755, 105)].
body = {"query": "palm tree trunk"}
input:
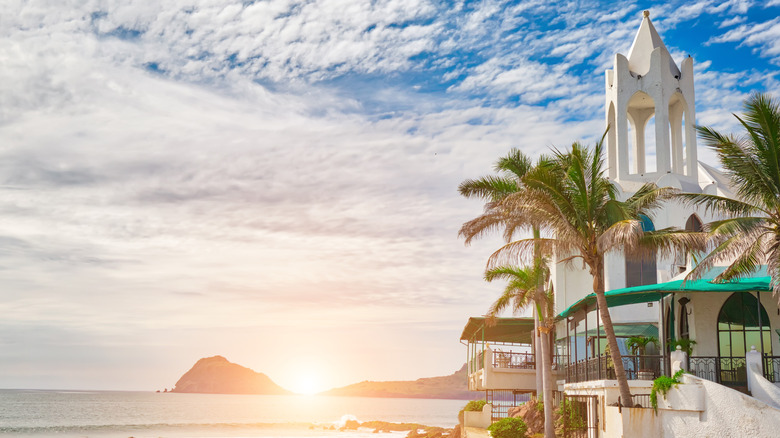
[(606, 321), (538, 353), (537, 324), (548, 382)]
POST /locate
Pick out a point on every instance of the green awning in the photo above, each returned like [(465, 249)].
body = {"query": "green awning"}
[(506, 330), (654, 292), (628, 330)]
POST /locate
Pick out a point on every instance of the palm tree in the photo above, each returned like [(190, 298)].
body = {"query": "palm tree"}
[(569, 198), (521, 289), (527, 286), (494, 189), (750, 236)]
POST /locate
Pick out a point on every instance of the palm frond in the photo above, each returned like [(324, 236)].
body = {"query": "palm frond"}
[(487, 223), (521, 252), (668, 241), (719, 205), (515, 163), (489, 188), (649, 197), (622, 236), (745, 264)]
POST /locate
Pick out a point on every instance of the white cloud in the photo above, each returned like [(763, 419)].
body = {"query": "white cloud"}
[(733, 20), (764, 37), (138, 204), (233, 207)]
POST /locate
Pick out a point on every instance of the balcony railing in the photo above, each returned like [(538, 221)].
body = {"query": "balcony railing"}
[(772, 368), (731, 370), (514, 360), (644, 367), (727, 370)]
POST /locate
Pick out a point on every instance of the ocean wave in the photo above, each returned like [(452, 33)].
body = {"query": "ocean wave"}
[(287, 430), (102, 427)]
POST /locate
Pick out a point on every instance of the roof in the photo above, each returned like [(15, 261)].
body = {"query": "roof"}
[(506, 330), (647, 40), (654, 292)]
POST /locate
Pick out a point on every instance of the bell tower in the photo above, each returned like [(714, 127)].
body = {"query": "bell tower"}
[(649, 85)]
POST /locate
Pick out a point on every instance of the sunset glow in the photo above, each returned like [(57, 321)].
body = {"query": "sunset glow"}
[(276, 181), (308, 385)]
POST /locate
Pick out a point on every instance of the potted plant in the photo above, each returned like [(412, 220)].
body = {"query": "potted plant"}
[(638, 346)]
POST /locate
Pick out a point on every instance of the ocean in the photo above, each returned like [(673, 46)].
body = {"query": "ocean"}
[(115, 414)]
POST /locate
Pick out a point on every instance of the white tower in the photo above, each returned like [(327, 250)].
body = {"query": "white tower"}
[(648, 83)]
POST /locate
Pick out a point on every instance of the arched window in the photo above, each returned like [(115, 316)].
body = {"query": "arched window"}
[(693, 224), (681, 258), (738, 326), (641, 270), (684, 328)]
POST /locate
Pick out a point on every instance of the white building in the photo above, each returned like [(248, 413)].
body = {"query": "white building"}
[(650, 109)]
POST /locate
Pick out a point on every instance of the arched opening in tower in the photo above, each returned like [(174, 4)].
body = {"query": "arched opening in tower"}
[(677, 113), (641, 154)]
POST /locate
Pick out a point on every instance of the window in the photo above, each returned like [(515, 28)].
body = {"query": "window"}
[(684, 329), (738, 327), (641, 270), (693, 224)]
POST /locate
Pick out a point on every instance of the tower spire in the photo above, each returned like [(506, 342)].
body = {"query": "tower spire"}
[(643, 86), (645, 41)]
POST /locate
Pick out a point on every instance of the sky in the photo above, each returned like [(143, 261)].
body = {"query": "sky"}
[(276, 181)]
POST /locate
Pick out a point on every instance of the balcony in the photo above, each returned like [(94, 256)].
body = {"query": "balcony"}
[(500, 355)]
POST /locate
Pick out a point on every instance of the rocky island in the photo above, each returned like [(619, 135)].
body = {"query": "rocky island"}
[(453, 387), (216, 375)]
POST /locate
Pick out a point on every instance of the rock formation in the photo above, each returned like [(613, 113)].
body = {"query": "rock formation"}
[(453, 386), (216, 375)]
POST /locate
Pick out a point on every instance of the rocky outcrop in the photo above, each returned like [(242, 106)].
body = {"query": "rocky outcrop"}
[(453, 386), (532, 412), (216, 375)]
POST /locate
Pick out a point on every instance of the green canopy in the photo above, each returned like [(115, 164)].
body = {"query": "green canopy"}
[(628, 330), (654, 292), (506, 330)]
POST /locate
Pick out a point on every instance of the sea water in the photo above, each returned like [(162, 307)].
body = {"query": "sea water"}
[(110, 414)]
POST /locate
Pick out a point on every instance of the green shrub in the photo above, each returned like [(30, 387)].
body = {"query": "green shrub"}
[(475, 405), (508, 428), (663, 384)]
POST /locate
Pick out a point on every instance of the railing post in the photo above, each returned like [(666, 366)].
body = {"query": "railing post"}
[(587, 369), (679, 360), (753, 362), (598, 339)]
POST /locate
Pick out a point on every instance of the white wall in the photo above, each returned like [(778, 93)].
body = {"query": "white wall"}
[(727, 413), (696, 408)]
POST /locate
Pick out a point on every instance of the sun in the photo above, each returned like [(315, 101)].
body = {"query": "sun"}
[(307, 384)]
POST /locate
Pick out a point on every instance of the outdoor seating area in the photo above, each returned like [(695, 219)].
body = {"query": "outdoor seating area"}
[(500, 354)]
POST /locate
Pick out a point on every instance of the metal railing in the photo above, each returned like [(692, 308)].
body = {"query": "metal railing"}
[(504, 399), (726, 370), (513, 359), (645, 367), (579, 415), (641, 400), (772, 368)]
